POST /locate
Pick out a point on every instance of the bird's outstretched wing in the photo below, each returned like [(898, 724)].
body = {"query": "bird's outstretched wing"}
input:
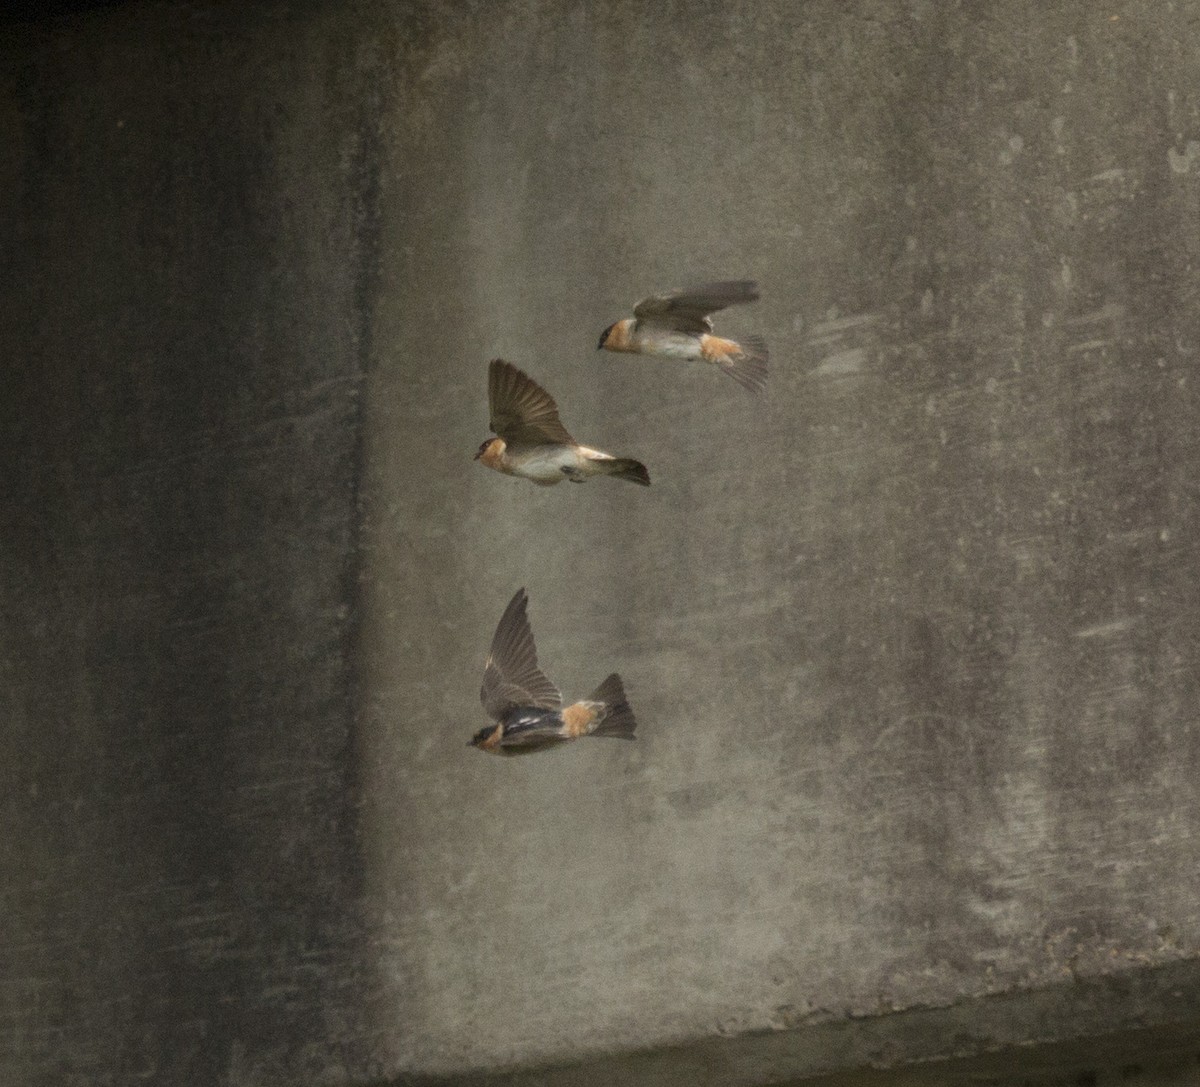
[(688, 310), (511, 676), (523, 413)]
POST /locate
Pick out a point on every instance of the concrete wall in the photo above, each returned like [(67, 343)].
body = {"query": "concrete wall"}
[(913, 643), (186, 259)]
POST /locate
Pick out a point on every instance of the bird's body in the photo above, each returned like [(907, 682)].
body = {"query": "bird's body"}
[(550, 464), (526, 708), (532, 441), (678, 326)]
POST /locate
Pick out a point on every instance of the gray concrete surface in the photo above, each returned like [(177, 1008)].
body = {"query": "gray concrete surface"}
[(913, 643), (185, 254)]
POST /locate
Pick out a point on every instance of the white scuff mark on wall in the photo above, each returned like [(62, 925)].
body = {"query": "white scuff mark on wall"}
[(1181, 164), (1106, 630), (1087, 345), (835, 324), (843, 363), (1111, 311)]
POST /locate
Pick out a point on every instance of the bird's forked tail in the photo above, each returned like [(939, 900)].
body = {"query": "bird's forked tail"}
[(748, 367), (616, 718), (627, 468)]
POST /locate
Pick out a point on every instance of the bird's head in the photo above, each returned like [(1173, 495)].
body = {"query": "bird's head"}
[(484, 735)]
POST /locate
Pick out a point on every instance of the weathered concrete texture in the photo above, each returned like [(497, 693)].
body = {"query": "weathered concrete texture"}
[(1144, 1059), (914, 644), (185, 254), (1022, 1037)]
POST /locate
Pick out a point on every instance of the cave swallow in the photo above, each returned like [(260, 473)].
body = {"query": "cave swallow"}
[(533, 442), (527, 708), (677, 326)]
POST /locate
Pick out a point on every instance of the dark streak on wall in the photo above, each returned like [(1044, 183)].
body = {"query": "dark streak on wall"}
[(189, 255)]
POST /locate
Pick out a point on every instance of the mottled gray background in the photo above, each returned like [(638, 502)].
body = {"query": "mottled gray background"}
[(914, 642)]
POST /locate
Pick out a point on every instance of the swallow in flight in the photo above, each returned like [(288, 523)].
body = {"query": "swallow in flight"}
[(533, 442), (678, 326), (527, 708)]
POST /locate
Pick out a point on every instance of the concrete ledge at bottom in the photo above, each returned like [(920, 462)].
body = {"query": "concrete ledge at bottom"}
[(1140, 1028)]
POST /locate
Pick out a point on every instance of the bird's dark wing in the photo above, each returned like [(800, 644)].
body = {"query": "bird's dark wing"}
[(688, 310), (531, 730), (523, 413), (511, 676)]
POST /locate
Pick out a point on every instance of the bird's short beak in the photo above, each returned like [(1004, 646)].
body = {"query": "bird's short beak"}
[(478, 454)]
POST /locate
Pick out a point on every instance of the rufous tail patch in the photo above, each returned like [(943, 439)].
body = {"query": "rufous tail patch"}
[(577, 719), (716, 349)]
